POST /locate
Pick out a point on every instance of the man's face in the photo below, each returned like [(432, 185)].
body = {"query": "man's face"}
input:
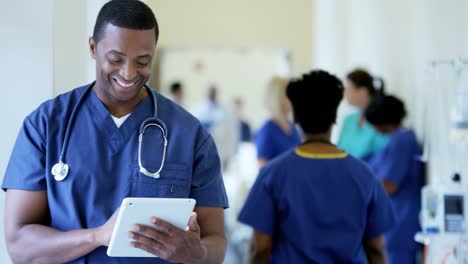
[(123, 63)]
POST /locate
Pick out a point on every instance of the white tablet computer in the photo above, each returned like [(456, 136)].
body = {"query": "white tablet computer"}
[(176, 211)]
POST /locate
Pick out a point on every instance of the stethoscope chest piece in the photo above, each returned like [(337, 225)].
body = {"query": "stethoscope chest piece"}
[(60, 171), (149, 174)]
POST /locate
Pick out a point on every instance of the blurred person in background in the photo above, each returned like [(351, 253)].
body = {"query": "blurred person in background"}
[(245, 131), (221, 123), (357, 137), (399, 169), (177, 93), (316, 203), (277, 134)]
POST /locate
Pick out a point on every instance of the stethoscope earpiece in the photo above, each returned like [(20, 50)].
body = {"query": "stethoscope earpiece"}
[(60, 171)]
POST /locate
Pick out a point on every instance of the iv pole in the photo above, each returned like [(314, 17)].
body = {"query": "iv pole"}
[(459, 115)]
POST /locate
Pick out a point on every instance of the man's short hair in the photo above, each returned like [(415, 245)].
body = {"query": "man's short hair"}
[(131, 14), (315, 99)]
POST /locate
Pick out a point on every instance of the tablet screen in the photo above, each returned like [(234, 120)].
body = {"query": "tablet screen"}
[(176, 211)]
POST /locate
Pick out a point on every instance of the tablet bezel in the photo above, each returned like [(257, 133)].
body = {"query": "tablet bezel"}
[(135, 210)]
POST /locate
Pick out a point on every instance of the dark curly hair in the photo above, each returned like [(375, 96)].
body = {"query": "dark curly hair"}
[(314, 99), (385, 110), (131, 14)]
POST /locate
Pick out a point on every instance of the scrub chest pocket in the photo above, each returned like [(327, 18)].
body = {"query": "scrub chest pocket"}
[(173, 183)]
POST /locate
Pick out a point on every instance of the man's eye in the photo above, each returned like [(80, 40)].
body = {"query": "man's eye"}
[(142, 62), (115, 61)]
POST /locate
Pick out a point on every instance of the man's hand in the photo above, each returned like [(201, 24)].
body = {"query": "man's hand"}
[(171, 243), (103, 233)]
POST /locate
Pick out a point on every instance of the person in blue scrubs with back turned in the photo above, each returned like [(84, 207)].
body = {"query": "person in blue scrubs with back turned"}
[(316, 203), (400, 170), (78, 155), (277, 134), (357, 137)]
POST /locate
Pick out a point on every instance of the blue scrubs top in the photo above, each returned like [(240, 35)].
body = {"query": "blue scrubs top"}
[(399, 164), (245, 133), (317, 208), (103, 162), (271, 140), (360, 141)]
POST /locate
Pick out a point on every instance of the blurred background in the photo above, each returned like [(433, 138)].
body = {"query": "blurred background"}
[(236, 47)]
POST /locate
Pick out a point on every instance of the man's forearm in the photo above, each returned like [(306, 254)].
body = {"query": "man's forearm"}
[(375, 255), (375, 250), (42, 244), (259, 256), (215, 249)]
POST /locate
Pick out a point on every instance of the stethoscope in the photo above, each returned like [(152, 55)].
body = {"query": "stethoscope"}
[(60, 170)]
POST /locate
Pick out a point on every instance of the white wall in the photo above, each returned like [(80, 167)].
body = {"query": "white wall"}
[(241, 73), (259, 24), (274, 24), (26, 73), (71, 55), (397, 40), (73, 25)]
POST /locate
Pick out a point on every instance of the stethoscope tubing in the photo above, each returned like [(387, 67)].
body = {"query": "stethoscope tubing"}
[(60, 169)]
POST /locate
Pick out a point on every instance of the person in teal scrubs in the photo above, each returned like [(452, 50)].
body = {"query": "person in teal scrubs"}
[(357, 137)]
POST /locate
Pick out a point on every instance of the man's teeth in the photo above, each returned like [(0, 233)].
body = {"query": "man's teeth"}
[(125, 84)]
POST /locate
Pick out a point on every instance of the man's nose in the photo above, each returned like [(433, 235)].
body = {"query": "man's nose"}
[(128, 71)]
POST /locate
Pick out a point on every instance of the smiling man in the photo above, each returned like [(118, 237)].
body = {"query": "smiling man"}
[(78, 155)]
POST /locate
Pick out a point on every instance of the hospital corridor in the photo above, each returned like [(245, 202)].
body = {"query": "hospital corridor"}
[(234, 132)]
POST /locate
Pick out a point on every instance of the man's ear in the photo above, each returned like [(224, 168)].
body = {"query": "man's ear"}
[(92, 47)]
